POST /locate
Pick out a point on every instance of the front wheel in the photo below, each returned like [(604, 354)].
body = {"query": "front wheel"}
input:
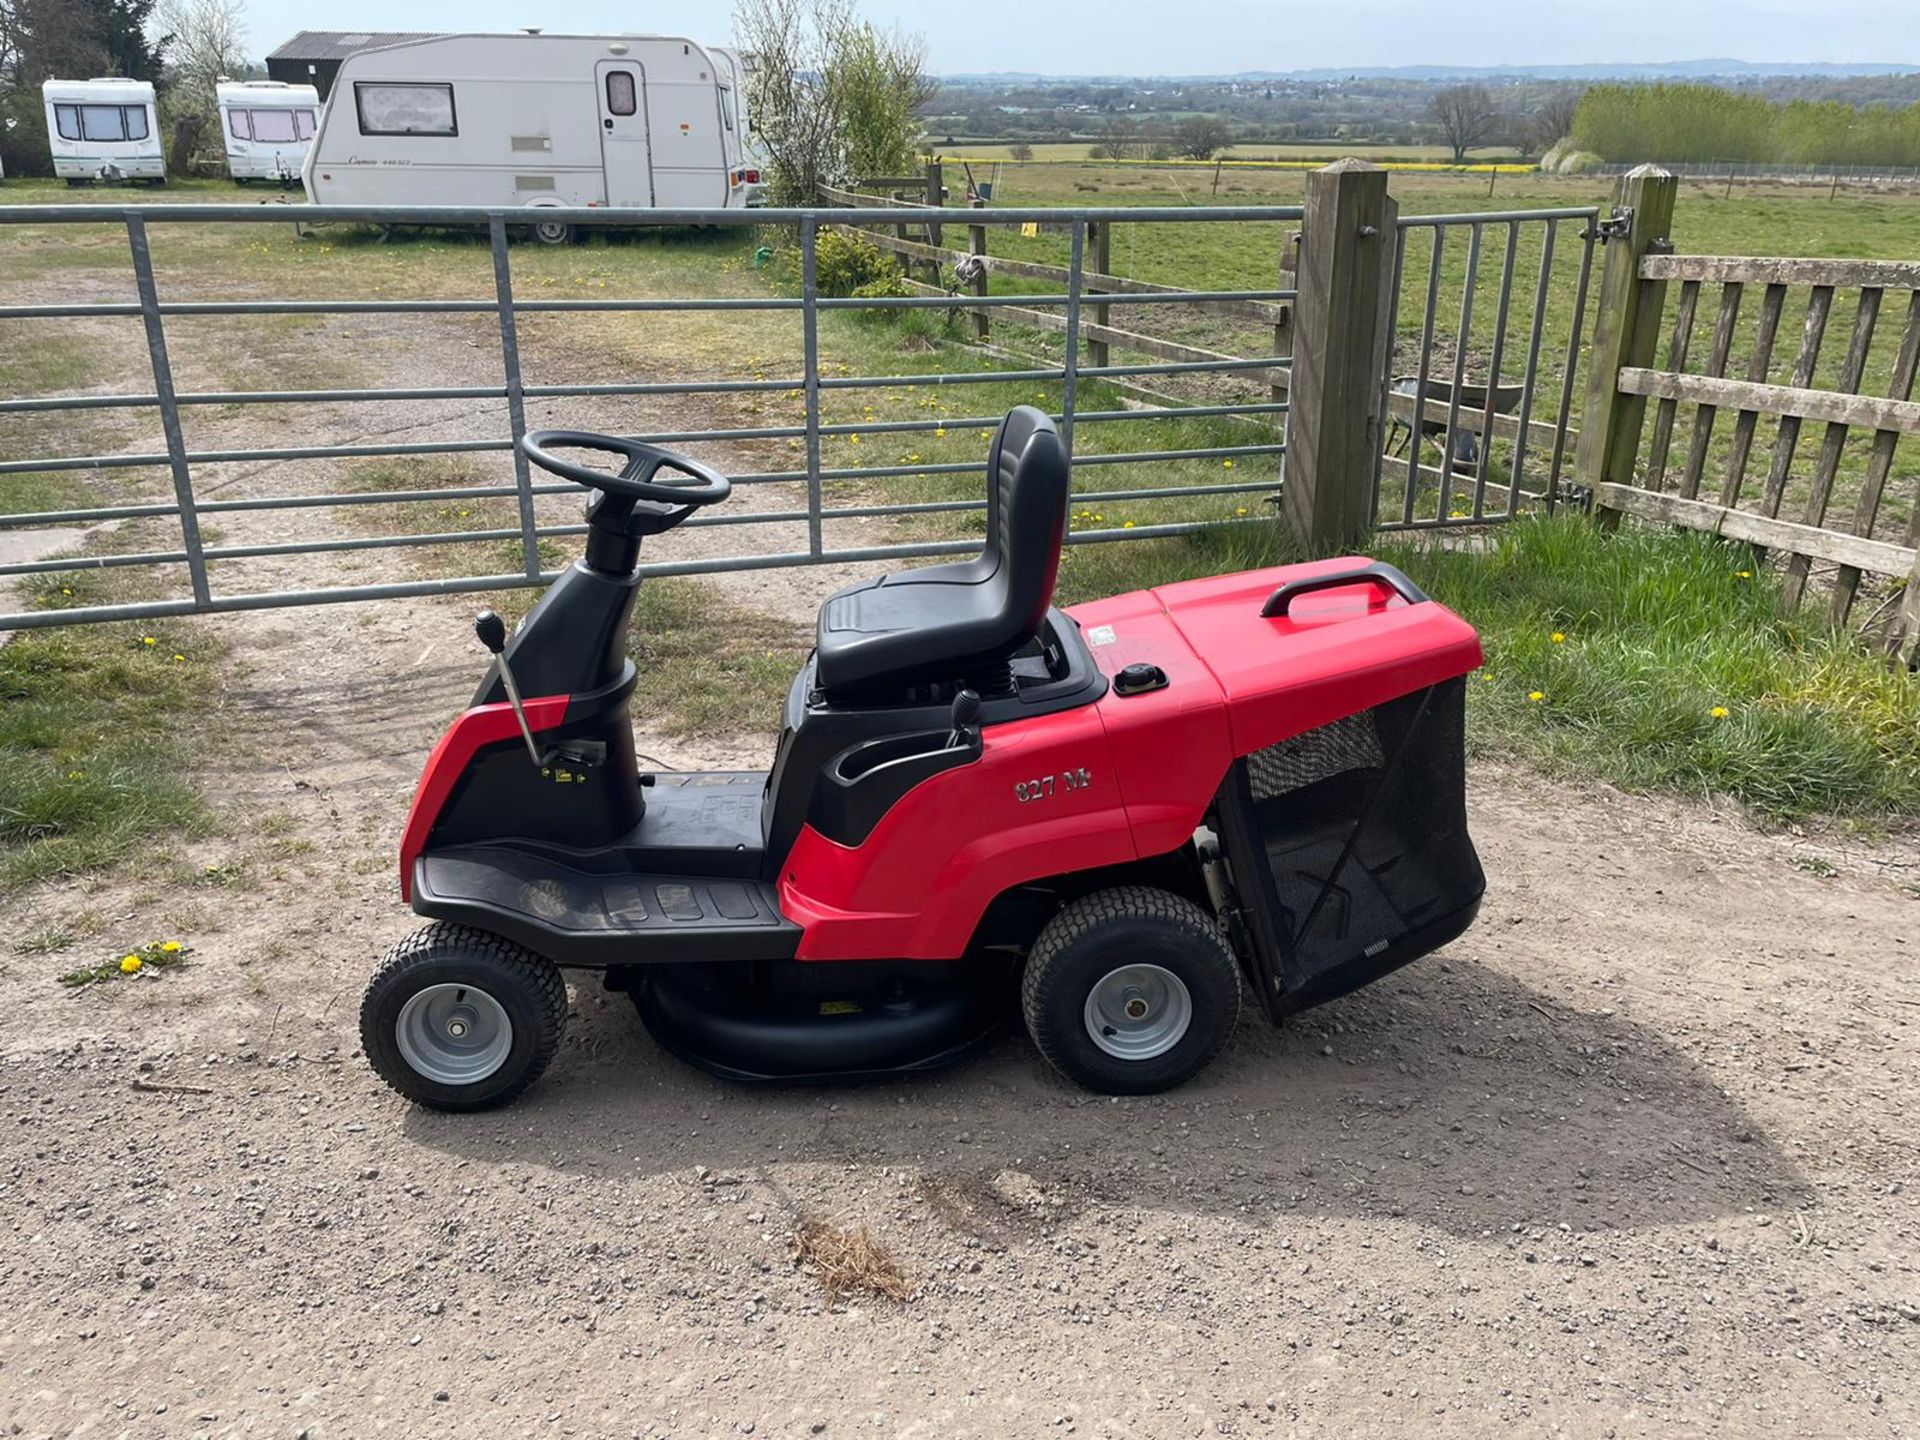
[(553, 232), (458, 1019), (1130, 991)]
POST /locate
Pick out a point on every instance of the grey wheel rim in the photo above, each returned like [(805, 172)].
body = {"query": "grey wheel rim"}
[(551, 232), (453, 1034), (1138, 1012)]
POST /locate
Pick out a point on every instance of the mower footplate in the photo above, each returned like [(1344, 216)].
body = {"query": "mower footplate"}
[(579, 917)]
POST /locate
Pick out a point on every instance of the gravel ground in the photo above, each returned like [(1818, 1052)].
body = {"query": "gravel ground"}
[(1634, 1157)]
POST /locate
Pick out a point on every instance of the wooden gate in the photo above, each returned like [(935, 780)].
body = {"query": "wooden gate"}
[(1845, 513)]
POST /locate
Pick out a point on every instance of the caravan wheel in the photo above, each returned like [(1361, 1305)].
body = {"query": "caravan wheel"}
[(553, 232)]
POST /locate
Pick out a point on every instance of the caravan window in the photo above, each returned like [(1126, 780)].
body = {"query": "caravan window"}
[(620, 93), (273, 127), (237, 125), (726, 107), (387, 108), (303, 124), (101, 123)]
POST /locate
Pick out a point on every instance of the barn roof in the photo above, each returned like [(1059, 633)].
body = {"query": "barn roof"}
[(339, 44)]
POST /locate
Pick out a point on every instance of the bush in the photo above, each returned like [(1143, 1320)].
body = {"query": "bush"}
[(845, 262), (882, 287)]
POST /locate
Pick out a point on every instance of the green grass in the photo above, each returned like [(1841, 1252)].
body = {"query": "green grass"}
[(1660, 629), (94, 752)]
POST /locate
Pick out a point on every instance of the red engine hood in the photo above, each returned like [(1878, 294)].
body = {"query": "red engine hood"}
[(1337, 652)]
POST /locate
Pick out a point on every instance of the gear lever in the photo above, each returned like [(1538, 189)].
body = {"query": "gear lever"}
[(966, 717), (492, 632)]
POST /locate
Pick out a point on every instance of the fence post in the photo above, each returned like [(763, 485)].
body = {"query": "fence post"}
[(936, 197), (1346, 247), (1289, 278), (1905, 635), (1100, 246), (977, 244), (1626, 332)]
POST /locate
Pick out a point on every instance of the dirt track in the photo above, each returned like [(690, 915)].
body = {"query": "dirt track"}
[(1634, 1157)]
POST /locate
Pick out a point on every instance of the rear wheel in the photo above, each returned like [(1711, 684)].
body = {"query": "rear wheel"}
[(1130, 991), (458, 1019), (553, 232)]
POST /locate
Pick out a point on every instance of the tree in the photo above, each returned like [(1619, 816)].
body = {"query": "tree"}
[(1466, 115), (1201, 137), (64, 39), (831, 96), (1120, 141), (207, 44), (1550, 123), (1022, 151)]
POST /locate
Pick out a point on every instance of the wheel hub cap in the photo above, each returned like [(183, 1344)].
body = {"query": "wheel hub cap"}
[(453, 1034), (1138, 1012)]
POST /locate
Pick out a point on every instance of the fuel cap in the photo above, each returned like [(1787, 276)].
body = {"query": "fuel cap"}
[(1138, 678)]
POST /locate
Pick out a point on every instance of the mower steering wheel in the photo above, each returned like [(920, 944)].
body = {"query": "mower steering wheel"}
[(706, 486)]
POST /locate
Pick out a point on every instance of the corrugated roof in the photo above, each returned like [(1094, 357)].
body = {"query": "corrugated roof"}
[(338, 44)]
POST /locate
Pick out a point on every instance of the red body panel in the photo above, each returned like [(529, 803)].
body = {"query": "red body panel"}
[(917, 887), (482, 725)]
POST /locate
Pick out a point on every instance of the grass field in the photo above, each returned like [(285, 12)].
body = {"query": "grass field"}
[(1323, 150), (1630, 693)]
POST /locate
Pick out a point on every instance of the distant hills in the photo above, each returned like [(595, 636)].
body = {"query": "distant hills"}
[(1625, 70)]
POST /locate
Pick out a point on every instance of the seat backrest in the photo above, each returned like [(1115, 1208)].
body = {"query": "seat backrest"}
[(1027, 512)]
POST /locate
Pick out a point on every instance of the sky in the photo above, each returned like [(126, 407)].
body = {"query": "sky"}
[(1151, 37)]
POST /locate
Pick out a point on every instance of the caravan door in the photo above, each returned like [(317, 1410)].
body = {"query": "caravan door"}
[(625, 150)]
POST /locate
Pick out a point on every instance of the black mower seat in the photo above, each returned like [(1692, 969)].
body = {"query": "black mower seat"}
[(963, 621)]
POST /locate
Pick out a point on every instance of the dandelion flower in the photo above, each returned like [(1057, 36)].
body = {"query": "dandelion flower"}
[(1240, 510), (1719, 712), (130, 964), (148, 640), (941, 433), (1744, 574), (179, 657), (171, 947), (1126, 524), (1558, 637), (1226, 464), (1536, 696)]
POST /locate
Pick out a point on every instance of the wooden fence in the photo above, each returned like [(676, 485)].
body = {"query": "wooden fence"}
[(1850, 519)]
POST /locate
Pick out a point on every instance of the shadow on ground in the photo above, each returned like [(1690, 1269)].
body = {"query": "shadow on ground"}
[(1449, 1093)]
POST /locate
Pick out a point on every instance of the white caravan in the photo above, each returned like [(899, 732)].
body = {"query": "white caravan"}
[(642, 121), (267, 126), (103, 130)]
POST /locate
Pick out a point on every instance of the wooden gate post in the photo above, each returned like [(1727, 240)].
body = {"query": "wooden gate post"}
[(1099, 259), (1346, 254), (977, 245), (1626, 332)]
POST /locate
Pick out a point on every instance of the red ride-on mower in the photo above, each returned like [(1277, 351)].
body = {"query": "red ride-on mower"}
[(1115, 814)]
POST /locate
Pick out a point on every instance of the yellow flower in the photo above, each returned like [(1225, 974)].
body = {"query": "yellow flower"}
[(1226, 464), (179, 657), (1240, 510), (1536, 696), (941, 433), (171, 946), (1126, 524), (148, 640), (1744, 574), (1719, 712), (1558, 637), (129, 964)]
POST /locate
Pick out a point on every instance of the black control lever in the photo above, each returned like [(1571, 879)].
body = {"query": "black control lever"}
[(966, 720), (492, 632)]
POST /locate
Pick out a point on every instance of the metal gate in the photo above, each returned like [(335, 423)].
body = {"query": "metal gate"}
[(1478, 389), (190, 507)]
